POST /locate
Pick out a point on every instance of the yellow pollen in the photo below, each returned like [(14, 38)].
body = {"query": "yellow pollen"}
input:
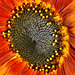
[(39, 11), (46, 16), (12, 45), (22, 9), (56, 35), (49, 67), (40, 70), (36, 67), (17, 51), (13, 11), (21, 6), (35, 11), (50, 14), (9, 22), (49, 23), (55, 40), (54, 70), (14, 17), (60, 48), (45, 65), (8, 31), (47, 60), (17, 14), (46, 10), (53, 35), (30, 67), (53, 66), (31, 5), (55, 30), (31, 64), (46, 70), (36, 6), (17, 8), (3, 32), (33, 8), (43, 69), (28, 9), (56, 54), (53, 44), (9, 40), (8, 34), (9, 26), (41, 14), (55, 51), (4, 36), (50, 58)]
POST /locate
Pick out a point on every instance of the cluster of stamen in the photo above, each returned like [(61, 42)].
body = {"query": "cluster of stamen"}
[(58, 34)]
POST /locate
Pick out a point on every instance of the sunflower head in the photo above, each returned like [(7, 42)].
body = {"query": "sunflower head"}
[(35, 33)]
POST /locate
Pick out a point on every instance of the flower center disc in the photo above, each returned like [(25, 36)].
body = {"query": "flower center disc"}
[(35, 34)]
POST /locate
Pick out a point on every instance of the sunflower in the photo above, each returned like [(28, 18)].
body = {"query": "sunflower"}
[(37, 37)]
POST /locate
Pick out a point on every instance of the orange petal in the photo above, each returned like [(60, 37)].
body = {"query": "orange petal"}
[(34, 72), (3, 23), (41, 73), (29, 71), (68, 67), (9, 3), (72, 41), (53, 2), (65, 3), (68, 9), (59, 71), (21, 69), (58, 5), (4, 4), (13, 69), (72, 52), (25, 68), (4, 68), (6, 57)]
